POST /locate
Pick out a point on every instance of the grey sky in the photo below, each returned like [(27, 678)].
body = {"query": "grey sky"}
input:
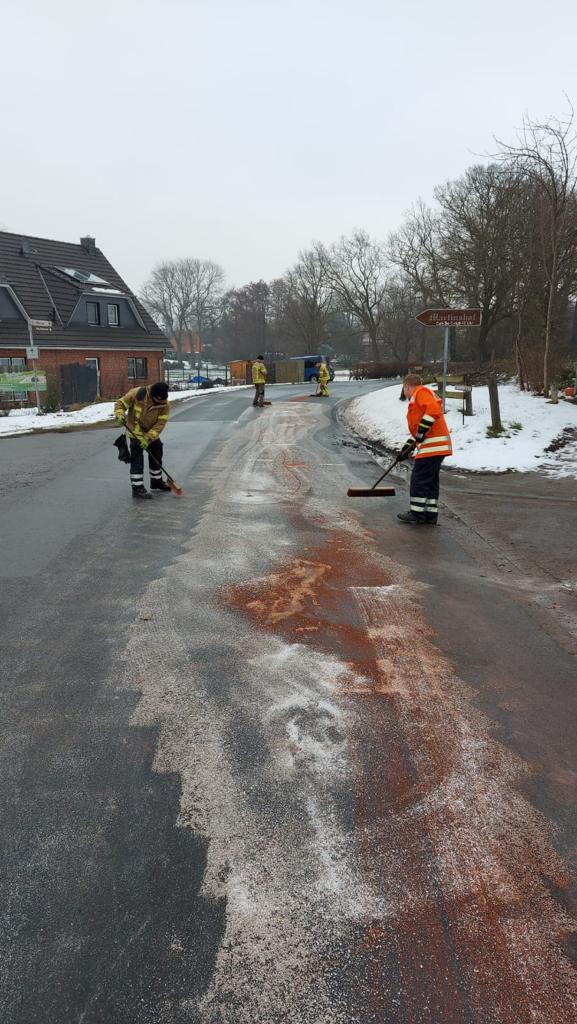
[(240, 131)]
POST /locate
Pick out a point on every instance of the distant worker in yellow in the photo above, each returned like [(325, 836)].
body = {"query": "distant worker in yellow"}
[(259, 374), (324, 378)]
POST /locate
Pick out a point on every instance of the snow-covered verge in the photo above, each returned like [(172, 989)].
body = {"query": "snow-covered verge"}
[(24, 421), (531, 425)]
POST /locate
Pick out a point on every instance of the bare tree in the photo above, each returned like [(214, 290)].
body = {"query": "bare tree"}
[(401, 333), (355, 269), (476, 243), (307, 300), (183, 295), (206, 282), (244, 324), (168, 299), (461, 253), (416, 249), (545, 156)]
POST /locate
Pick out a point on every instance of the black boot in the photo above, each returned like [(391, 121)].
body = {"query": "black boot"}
[(159, 485), (416, 519), (141, 492), (431, 518)]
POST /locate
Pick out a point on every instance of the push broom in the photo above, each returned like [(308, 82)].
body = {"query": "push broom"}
[(375, 491), (171, 483)]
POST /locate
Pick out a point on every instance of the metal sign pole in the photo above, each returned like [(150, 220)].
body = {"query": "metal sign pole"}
[(445, 365), (31, 337)]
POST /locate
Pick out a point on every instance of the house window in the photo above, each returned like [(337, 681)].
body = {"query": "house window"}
[(11, 364), (137, 369), (94, 363), (93, 313), (113, 314)]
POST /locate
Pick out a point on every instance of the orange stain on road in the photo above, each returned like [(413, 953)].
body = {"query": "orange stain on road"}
[(442, 825)]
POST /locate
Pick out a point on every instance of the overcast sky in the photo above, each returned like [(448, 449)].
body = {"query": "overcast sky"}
[(241, 130)]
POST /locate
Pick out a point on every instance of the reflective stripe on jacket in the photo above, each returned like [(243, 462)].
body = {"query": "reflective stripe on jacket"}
[(426, 410), (144, 418), (259, 372)]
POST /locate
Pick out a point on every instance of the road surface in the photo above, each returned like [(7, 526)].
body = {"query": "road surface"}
[(268, 755)]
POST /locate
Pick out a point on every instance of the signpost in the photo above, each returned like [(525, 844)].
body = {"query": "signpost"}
[(32, 351), (449, 318)]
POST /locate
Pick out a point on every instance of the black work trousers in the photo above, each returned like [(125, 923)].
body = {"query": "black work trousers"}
[(137, 461), (424, 489), (258, 394)]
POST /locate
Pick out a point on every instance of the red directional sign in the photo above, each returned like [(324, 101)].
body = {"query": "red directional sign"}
[(450, 317)]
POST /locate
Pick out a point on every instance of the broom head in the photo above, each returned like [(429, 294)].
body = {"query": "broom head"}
[(371, 492), (174, 487)]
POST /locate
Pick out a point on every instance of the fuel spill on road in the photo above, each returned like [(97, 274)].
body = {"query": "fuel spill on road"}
[(366, 828)]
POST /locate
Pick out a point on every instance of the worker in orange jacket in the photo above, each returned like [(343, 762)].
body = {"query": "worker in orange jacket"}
[(431, 442)]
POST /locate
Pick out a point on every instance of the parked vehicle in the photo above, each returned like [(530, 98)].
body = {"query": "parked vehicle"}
[(304, 369)]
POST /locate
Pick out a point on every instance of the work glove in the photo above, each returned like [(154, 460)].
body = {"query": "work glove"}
[(407, 449), (120, 420), (143, 443)]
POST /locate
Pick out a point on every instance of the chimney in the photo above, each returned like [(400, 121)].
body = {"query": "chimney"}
[(88, 244), (25, 249)]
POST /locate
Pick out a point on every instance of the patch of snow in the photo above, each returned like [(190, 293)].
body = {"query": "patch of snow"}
[(381, 416)]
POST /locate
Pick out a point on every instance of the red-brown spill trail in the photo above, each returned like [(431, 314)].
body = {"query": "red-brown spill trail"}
[(443, 830)]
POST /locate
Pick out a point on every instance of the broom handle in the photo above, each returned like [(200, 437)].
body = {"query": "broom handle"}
[(388, 470), (153, 457)]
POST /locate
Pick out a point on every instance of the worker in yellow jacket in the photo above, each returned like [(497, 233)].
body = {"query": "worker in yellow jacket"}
[(144, 412), (324, 378), (259, 375)]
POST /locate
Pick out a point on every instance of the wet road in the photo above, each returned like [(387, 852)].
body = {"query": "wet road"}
[(267, 755)]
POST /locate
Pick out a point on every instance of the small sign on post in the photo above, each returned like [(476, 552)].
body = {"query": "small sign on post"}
[(32, 352), (448, 318), (41, 325)]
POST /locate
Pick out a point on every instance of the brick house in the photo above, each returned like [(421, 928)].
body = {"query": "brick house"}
[(90, 317)]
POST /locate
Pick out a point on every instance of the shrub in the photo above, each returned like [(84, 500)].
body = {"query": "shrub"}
[(50, 401)]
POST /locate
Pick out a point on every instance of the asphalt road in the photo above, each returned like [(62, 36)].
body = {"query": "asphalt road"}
[(269, 756)]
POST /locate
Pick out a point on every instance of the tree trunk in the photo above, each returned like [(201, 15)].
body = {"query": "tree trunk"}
[(482, 349), (374, 345), (423, 345), (518, 357), (549, 326), (494, 402)]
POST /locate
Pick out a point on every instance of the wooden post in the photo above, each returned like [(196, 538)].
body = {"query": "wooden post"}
[(469, 403), (494, 401)]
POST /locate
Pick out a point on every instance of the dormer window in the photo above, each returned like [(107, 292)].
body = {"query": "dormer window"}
[(93, 313), (113, 314), (82, 276)]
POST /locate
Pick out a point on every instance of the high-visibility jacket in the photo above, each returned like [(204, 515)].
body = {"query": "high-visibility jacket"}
[(259, 372), (427, 424), (324, 374), (144, 418)]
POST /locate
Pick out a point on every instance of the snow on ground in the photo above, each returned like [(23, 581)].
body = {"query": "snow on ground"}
[(531, 425), (24, 421)]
